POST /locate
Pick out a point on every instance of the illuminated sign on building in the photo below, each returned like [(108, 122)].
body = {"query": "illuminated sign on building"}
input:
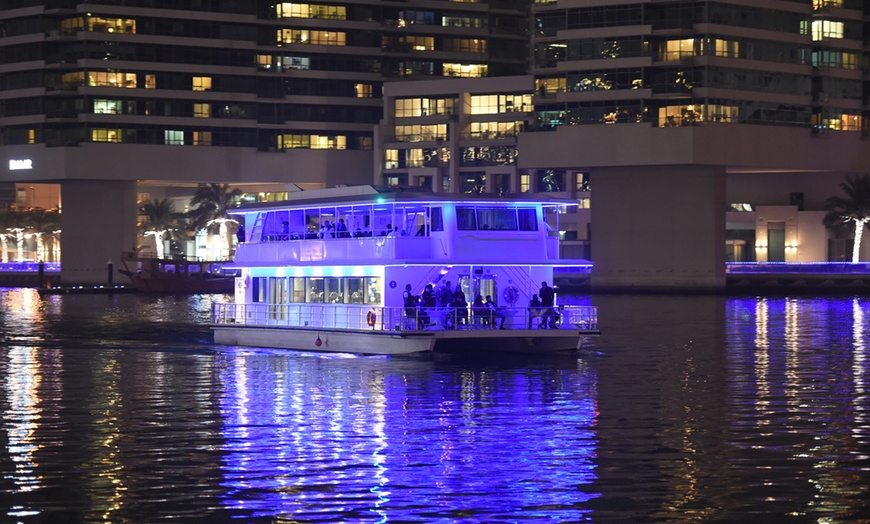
[(20, 164)]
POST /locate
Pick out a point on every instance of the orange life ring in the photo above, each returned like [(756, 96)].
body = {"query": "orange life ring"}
[(371, 318)]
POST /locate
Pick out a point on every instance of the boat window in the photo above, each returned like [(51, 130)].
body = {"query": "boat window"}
[(465, 219), (435, 219), (500, 218), (528, 219), (258, 288), (297, 290), (333, 291), (277, 295), (314, 291), (347, 290)]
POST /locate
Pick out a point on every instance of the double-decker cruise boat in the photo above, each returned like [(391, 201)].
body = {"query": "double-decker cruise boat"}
[(357, 271)]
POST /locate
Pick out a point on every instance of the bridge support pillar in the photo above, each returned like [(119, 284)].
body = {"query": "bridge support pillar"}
[(659, 228), (98, 223)]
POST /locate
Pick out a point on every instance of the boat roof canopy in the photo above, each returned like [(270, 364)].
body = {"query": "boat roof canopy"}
[(368, 195)]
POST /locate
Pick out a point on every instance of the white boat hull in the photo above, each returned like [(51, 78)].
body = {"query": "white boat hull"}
[(374, 342), (326, 340)]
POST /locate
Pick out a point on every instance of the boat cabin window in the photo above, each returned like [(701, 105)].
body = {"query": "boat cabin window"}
[(318, 290), (437, 224), (465, 219), (496, 218)]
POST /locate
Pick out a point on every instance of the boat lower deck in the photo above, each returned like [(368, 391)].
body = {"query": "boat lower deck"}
[(395, 331)]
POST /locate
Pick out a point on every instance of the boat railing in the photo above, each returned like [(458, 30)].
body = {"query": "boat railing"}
[(402, 319)]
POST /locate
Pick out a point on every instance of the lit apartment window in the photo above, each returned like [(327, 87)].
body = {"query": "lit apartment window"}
[(31, 136), (420, 43), (821, 4), (414, 158), (328, 142), (202, 110), (109, 79), (465, 45), (312, 142), (202, 138), (72, 25), (150, 81), (391, 159), (682, 115), (107, 107), (525, 183), (363, 90), (463, 21), (173, 137), (726, 48), (495, 104), (295, 62), (823, 29), (545, 86), (466, 70), (264, 62), (678, 49), (304, 36), (487, 130), (105, 135), (837, 122), (324, 12), (421, 133), (111, 25), (201, 83)]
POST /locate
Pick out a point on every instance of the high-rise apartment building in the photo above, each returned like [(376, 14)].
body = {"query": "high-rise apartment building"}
[(669, 111), (99, 95), (676, 110)]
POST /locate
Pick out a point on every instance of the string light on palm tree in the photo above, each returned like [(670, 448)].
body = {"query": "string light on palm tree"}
[(19, 241), (855, 208), (39, 244), (161, 222), (209, 209), (159, 237), (223, 234), (4, 248)]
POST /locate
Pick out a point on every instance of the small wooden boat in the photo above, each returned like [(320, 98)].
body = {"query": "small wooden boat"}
[(176, 275)]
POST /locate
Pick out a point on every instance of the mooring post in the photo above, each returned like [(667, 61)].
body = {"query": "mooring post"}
[(111, 271)]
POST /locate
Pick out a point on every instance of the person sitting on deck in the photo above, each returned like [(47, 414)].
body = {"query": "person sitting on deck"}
[(459, 307), (479, 311), (534, 309)]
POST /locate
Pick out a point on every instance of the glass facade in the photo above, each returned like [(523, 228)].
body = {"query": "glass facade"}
[(690, 50), (265, 75)]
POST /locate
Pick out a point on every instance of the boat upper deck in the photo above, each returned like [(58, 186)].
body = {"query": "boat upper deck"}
[(365, 226)]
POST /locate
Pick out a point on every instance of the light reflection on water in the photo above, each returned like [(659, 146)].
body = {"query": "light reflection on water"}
[(714, 409)]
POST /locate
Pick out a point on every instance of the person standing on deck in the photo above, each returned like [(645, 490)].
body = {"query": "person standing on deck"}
[(444, 294), (548, 297)]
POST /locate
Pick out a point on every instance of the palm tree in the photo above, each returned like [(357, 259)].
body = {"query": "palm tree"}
[(17, 223), (210, 207), (4, 237), (44, 226), (855, 207), (161, 220)]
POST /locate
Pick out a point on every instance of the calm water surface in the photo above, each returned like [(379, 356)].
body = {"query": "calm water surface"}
[(688, 409)]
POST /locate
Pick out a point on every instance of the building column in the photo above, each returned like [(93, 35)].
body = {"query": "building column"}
[(98, 223), (658, 228)]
